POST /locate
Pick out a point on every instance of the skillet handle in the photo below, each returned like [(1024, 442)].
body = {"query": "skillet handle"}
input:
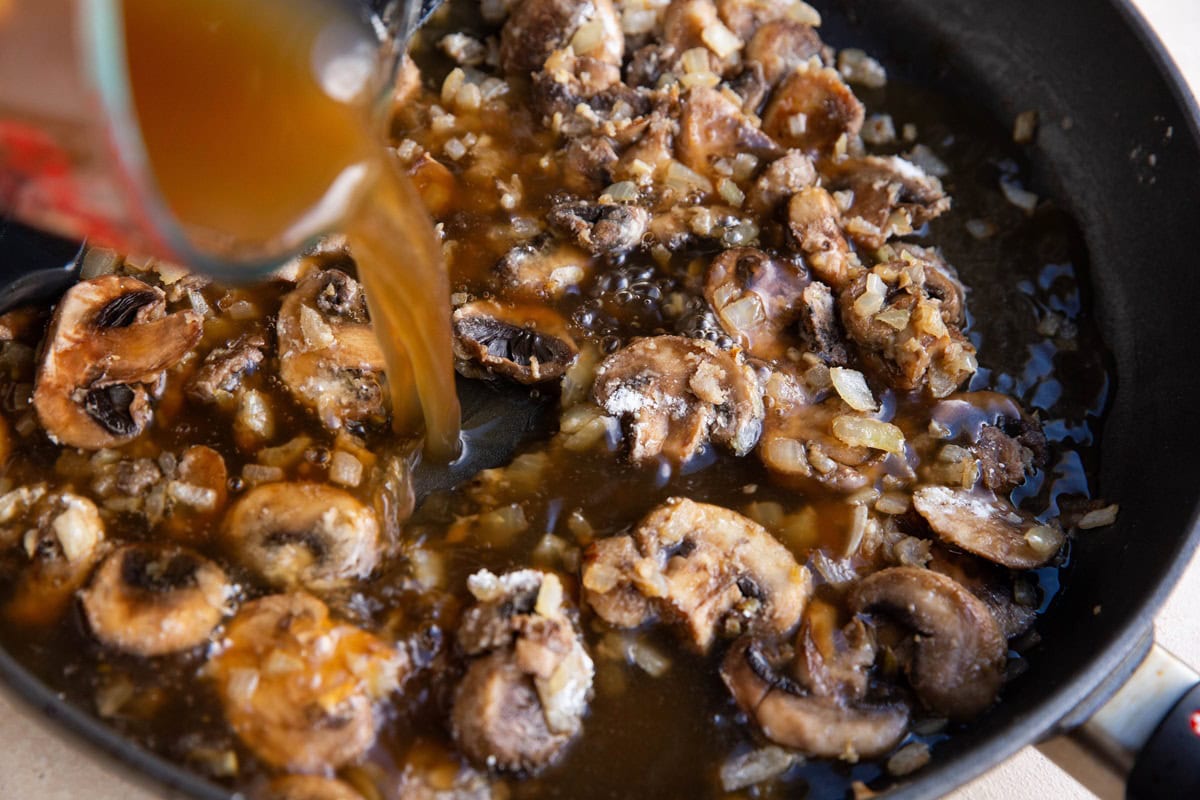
[(1144, 743)]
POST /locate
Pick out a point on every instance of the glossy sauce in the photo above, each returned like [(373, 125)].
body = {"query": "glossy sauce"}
[(260, 125)]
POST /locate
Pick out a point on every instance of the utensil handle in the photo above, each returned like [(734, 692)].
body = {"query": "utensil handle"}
[(1144, 742)]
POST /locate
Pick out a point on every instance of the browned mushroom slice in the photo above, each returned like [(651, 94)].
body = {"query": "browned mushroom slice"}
[(706, 567), (897, 317), (224, 369), (812, 109), (677, 394), (600, 228), (712, 127), (527, 686), (328, 356), (151, 600), (581, 96), (958, 655), (109, 340), (744, 17), (815, 223), (543, 268), (529, 344), (1011, 598), (987, 526), (536, 28), (819, 327), (780, 46), (61, 536), (1005, 443), (296, 706), (820, 726), (891, 197), (783, 177), (302, 535), (832, 661), (799, 447), (586, 164), (757, 299), (694, 24)]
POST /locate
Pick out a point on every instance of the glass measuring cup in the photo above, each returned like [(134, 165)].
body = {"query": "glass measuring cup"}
[(72, 156)]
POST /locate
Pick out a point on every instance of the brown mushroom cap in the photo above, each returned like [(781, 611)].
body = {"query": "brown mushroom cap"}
[(712, 126), (526, 688), (700, 565), (983, 524), (600, 228), (151, 600), (110, 338), (543, 268), (815, 223), (825, 727), (881, 187), (678, 393), (825, 104), (782, 45), (798, 446), (329, 358), (959, 653), (527, 343), (303, 535), (296, 706), (757, 299), (536, 28)]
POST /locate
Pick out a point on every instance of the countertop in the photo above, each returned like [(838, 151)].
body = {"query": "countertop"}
[(36, 763)]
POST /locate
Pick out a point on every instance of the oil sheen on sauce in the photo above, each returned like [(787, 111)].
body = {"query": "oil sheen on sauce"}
[(258, 122)]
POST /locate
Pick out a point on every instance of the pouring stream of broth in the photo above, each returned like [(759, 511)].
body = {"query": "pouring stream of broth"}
[(258, 120)]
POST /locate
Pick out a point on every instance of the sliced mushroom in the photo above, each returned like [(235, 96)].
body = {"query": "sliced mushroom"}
[(783, 177), (297, 706), (702, 566), (62, 536), (896, 315), (195, 493), (983, 524), (832, 661), (309, 787), (307, 535), (713, 127), (527, 686), (537, 28), (891, 197), (586, 164), (328, 356), (1008, 451), (527, 343), (544, 268), (1010, 598), (819, 327), (151, 600), (815, 224), (580, 96), (601, 229), (812, 109), (799, 447), (820, 726), (782, 45), (692, 24), (958, 652), (677, 394), (757, 299), (109, 342), (437, 772), (224, 369), (745, 17)]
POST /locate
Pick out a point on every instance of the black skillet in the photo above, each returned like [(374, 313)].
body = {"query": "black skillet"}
[(1095, 64)]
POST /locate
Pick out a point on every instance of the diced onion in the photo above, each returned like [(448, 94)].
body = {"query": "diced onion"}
[(867, 432), (852, 386)]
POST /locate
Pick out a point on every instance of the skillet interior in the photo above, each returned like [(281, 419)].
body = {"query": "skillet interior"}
[(1096, 68), (1097, 64)]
